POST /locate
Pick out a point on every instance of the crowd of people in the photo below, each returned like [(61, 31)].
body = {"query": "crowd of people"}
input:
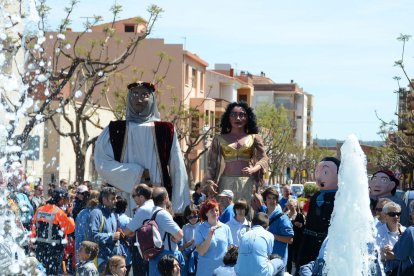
[(143, 222), (81, 231)]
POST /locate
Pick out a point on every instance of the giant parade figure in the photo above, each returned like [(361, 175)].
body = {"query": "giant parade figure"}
[(320, 210), (143, 149), (383, 184)]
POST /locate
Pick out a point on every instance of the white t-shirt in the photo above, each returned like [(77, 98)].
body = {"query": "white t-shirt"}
[(144, 212)]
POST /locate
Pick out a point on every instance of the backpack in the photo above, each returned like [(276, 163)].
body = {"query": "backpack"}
[(149, 240)]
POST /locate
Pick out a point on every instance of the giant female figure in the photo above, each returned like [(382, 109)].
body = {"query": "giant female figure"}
[(242, 150)]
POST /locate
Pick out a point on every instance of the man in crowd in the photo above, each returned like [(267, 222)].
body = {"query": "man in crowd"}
[(255, 248), (38, 199), (168, 228), (81, 199), (49, 222), (142, 197), (285, 197), (226, 205), (104, 227)]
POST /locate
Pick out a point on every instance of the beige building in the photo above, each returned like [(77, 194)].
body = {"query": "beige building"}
[(298, 104), (180, 77)]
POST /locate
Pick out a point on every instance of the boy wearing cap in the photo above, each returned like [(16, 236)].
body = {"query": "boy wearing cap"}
[(226, 204), (81, 199)]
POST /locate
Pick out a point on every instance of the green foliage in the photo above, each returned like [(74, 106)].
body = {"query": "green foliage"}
[(309, 189), (277, 135)]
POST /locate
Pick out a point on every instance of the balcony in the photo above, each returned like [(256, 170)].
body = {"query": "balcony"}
[(221, 105)]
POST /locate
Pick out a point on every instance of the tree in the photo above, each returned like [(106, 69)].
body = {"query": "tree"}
[(70, 81), (398, 151), (277, 137), (187, 121)]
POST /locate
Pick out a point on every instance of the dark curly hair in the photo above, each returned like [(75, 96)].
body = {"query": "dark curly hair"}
[(251, 127)]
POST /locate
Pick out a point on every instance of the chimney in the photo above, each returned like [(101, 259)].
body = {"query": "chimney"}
[(292, 81), (231, 72), (262, 74)]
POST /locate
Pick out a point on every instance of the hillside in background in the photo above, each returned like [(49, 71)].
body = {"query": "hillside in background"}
[(333, 142)]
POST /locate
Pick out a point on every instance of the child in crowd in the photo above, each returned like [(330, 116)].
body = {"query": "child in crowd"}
[(188, 248), (229, 260), (86, 254), (169, 266), (198, 196), (116, 266)]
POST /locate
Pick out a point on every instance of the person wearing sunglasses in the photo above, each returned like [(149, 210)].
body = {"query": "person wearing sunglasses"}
[(242, 149), (191, 214), (380, 216), (143, 149), (388, 234)]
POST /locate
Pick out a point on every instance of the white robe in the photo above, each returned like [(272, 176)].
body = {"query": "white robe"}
[(140, 152)]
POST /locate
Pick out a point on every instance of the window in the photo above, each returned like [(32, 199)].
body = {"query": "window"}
[(187, 69), (31, 150), (129, 28), (201, 81), (194, 78), (242, 98)]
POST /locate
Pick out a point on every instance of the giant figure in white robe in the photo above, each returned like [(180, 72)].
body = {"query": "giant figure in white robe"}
[(141, 151)]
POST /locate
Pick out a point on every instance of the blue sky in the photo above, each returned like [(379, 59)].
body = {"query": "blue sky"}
[(342, 52)]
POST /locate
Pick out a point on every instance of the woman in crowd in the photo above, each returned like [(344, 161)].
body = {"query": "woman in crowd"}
[(212, 239), (123, 220), (298, 220), (388, 234), (243, 152), (116, 266), (81, 224), (191, 214), (239, 224), (380, 217)]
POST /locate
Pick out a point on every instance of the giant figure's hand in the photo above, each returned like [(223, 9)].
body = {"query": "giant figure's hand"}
[(211, 188)]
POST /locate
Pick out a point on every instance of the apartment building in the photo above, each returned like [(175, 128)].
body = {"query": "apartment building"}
[(298, 104), (183, 80)]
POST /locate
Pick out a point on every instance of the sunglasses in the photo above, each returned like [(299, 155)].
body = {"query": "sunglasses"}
[(242, 115), (147, 85), (192, 217), (393, 214), (378, 209)]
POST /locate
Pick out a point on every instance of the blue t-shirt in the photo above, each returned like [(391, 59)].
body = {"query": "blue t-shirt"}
[(166, 224), (227, 214), (282, 202), (281, 227), (403, 249), (213, 258), (255, 248)]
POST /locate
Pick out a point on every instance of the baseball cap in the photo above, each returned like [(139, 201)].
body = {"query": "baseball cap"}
[(227, 193), (82, 189), (59, 193)]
